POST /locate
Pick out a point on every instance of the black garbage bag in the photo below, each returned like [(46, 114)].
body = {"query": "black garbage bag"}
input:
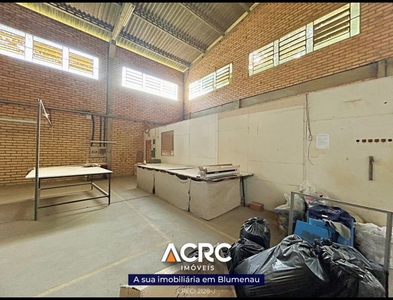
[(351, 274), (291, 269), (256, 229), (241, 249)]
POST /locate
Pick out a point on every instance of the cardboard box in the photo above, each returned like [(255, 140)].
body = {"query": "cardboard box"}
[(256, 206), (182, 291)]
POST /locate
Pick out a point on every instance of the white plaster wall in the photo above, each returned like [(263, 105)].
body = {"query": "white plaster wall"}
[(269, 144), (181, 143), (203, 140), (357, 111), (233, 141), (195, 141), (270, 140)]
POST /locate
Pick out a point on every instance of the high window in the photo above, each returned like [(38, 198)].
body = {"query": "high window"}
[(34, 49), (336, 26)]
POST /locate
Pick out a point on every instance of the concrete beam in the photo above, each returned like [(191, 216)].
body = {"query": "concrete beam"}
[(373, 70)]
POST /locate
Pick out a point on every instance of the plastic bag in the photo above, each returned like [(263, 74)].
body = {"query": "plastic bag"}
[(296, 268), (256, 229), (306, 188), (291, 269), (298, 203), (313, 197), (240, 250), (370, 241), (352, 275), (282, 212)]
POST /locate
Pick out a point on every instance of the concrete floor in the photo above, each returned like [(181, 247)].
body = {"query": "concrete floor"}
[(87, 249)]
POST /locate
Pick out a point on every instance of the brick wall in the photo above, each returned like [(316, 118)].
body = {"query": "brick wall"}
[(270, 21), (68, 141), (140, 105), (66, 95)]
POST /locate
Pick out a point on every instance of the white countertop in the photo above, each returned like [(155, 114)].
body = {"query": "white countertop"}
[(66, 171)]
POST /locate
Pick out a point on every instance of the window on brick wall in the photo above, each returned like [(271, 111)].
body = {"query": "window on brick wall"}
[(31, 48), (82, 64), (12, 42), (211, 82), (47, 53), (336, 26), (292, 45), (149, 84), (261, 59)]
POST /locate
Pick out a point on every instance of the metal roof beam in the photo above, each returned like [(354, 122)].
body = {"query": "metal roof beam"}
[(150, 47), (223, 36), (192, 9), (167, 28), (245, 7), (105, 26), (80, 15), (122, 20)]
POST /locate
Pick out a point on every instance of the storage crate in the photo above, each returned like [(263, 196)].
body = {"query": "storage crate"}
[(333, 234), (310, 232)]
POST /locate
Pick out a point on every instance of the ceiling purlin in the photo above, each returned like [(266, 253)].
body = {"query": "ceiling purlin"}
[(155, 49), (245, 7), (81, 15), (88, 18), (206, 19), (168, 28)]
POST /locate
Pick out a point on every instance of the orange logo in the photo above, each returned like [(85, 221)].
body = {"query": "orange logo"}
[(170, 258), (204, 250)]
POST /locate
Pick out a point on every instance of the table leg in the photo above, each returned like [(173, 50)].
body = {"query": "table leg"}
[(37, 198), (109, 188), (243, 196)]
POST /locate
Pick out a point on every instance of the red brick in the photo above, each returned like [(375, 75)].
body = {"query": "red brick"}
[(256, 206)]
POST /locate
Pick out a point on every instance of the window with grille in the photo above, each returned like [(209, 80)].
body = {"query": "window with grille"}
[(47, 53), (82, 64), (211, 82), (34, 49), (261, 59), (329, 29), (12, 42), (223, 76), (336, 26), (292, 45), (149, 84)]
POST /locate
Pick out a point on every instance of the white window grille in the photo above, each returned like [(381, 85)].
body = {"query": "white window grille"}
[(211, 82), (329, 29), (34, 49), (292, 45), (82, 64), (12, 42), (149, 84), (261, 59), (47, 53), (336, 26), (223, 76)]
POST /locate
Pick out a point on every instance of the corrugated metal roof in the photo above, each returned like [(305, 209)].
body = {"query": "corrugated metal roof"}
[(174, 34)]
